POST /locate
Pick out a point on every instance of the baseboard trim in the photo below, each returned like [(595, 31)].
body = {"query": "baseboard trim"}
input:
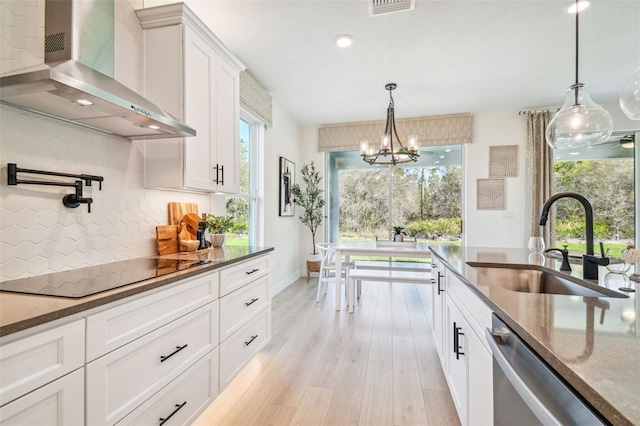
[(286, 282)]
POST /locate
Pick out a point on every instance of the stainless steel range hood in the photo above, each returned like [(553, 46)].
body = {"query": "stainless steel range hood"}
[(75, 84)]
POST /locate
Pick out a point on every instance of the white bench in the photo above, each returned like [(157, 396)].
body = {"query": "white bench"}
[(388, 275), (393, 266)]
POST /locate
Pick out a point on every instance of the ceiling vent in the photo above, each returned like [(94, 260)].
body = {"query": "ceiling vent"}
[(382, 7)]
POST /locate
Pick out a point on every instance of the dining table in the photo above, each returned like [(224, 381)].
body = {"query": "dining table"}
[(389, 249)]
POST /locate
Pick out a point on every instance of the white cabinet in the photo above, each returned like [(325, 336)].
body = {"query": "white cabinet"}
[(163, 353), (123, 379), (245, 315), (33, 361), (459, 320), (192, 75), (61, 402), (439, 277)]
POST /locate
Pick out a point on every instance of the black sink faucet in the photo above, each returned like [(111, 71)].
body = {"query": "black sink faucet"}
[(589, 261)]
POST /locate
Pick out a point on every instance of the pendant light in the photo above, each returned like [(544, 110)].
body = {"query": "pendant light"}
[(630, 96), (580, 122), (390, 152)]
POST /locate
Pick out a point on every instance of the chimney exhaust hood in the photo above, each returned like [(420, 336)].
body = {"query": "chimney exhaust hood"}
[(75, 84)]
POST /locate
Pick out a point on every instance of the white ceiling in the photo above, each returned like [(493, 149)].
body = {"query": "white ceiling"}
[(449, 56)]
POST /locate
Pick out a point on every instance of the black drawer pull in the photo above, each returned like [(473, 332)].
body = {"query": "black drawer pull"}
[(251, 272), (252, 302), (166, 419), (456, 340), (251, 340), (440, 290), (178, 349)]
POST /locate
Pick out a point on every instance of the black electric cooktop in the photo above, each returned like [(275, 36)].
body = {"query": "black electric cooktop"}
[(95, 279)]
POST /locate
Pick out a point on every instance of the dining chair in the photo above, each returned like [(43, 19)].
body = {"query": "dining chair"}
[(327, 268)]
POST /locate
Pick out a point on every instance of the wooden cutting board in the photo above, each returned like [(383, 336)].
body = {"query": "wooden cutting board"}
[(167, 239), (177, 210), (191, 221)]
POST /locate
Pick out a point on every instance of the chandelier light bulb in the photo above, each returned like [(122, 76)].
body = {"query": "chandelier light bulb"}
[(630, 96), (364, 145), (580, 120), (384, 142)]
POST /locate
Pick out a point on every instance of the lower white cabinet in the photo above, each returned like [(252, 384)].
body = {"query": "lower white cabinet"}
[(33, 361), (157, 358), (123, 379), (237, 351), (459, 319), (61, 402), (182, 400)]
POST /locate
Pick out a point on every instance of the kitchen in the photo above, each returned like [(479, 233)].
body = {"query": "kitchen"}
[(124, 214)]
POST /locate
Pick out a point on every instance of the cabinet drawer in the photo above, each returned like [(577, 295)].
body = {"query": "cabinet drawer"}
[(115, 327), (196, 388), (29, 363), (121, 380), (240, 275), (58, 403), (239, 307), (237, 351)]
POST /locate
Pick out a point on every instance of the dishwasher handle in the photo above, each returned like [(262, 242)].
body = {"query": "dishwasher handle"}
[(535, 405)]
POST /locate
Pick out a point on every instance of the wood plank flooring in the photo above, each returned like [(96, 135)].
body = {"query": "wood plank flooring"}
[(377, 366)]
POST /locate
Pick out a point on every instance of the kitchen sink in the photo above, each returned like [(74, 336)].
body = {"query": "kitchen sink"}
[(531, 280)]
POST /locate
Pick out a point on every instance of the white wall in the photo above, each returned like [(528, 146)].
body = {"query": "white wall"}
[(489, 228), (282, 233)]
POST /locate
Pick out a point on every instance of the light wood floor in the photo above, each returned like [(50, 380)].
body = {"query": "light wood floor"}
[(377, 366)]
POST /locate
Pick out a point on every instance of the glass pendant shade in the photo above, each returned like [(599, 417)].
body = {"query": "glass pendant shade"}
[(630, 96), (579, 123)]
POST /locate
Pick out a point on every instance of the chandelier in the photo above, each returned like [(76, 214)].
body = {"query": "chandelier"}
[(391, 151)]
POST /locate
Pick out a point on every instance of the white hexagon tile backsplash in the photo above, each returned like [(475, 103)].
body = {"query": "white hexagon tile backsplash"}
[(38, 235)]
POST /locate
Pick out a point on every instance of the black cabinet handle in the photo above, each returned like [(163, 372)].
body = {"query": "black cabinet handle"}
[(251, 272), (440, 290), (252, 302), (216, 178), (221, 180), (251, 340), (163, 420), (456, 340), (178, 349)]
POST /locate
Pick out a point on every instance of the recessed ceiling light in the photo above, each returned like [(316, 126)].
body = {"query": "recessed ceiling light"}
[(344, 40), (447, 150), (578, 6), (154, 127), (627, 145), (442, 157), (84, 102)]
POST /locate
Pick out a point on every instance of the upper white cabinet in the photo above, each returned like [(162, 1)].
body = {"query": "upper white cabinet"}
[(193, 76)]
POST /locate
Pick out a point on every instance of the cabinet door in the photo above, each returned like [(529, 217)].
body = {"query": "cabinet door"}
[(457, 354), (199, 68), (59, 403), (227, 154), (439, 288), (480, 382)]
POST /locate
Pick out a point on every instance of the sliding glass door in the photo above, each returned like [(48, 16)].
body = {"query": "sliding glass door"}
[(367, 202)]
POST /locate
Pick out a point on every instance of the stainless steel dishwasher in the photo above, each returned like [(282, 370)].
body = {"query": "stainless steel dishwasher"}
[(526, 391)]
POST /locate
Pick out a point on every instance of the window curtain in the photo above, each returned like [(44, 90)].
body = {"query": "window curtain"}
[(539, 177), (254, 99), (431, 131)]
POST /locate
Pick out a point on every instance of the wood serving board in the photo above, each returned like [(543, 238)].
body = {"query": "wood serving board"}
[(191, 221), (178, 210), (167, 239)]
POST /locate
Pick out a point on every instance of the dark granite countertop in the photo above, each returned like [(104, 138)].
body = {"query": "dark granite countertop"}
[(22, 311), (592, 342)]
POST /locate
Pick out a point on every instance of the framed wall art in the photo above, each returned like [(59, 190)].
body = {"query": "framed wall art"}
[(490, 194), (287, 176), (503, 161)]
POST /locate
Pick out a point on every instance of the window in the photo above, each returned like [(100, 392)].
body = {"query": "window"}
[(242, 206), (424, 198), (604, 175)]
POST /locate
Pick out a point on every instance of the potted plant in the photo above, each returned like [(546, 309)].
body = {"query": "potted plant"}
[(398, 233), (310, 199), (217, 227)]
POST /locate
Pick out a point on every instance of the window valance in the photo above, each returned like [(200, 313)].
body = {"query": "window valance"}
[(254, 99), (437, 130)]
